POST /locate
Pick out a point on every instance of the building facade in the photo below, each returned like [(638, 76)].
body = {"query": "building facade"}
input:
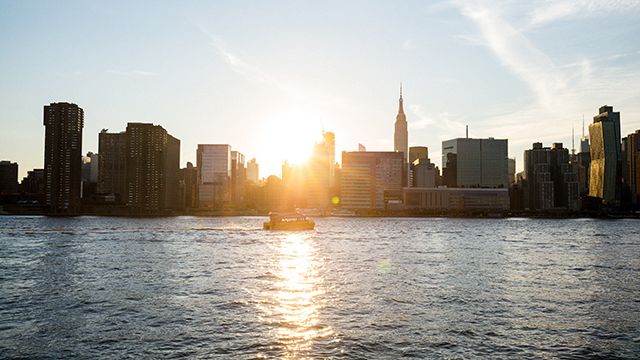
[(214, 175), (152, 166), (632, 166), (188, 185), (8, 177), (371, 180), (475, 163), (238, 178), (112, 165), (550, 180), (456, 199), (62, 156), (604, 174), (400, 133), (253, 171)]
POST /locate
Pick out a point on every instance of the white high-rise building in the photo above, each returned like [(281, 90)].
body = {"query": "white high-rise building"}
[(214, 175)]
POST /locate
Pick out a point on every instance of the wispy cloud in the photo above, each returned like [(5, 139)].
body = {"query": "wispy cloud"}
[(236, 63), (561, 92), (516, 52), (553, 10)]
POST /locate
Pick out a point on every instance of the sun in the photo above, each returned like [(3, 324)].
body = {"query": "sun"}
[(289, 136)]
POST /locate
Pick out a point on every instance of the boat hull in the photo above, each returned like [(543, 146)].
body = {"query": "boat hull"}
[(298, 226)]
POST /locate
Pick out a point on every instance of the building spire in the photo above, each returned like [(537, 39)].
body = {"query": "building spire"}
[(400, 106), (573, 142)]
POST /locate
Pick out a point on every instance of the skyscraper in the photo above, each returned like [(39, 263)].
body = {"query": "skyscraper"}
[(253, 170), (319, 173), (371, 180), (62, 156), (604, 175), (632, 165), (418, 152), (238, 177), (479, 163), (214, 175), (400, 135), (112, 169), (152, 166), (188, 183)]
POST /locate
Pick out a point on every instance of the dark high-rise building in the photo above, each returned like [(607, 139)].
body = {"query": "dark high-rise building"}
[(511, 171), (422, 173), (565, 184), (538, 187), (152, 165), (549, 179), (475, 163), (188, 182), (112, 165), (632, 166), (605, 172), (418, 152), (8, 177), (62, 156), (33, 183), (238, 178)]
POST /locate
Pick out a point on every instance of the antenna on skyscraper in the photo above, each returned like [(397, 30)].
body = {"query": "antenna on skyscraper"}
[(573, 142), (582, 125)]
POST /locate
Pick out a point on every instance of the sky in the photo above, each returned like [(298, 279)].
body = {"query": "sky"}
[(267, 77)]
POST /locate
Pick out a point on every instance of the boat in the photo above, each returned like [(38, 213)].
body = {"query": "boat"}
[(288, 221)]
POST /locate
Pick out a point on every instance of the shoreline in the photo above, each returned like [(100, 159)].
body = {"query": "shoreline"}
[(368, 214)]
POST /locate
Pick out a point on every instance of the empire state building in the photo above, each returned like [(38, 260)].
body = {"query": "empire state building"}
[(400, 135)]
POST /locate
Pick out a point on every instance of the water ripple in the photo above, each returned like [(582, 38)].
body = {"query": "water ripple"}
[(185, 287)]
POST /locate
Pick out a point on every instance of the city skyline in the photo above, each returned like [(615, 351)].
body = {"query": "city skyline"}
[(537, 69)]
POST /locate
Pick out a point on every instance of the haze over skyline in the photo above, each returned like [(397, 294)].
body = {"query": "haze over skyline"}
[(266, 78)]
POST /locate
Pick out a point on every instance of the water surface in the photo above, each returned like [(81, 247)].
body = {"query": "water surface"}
[(93, 287)]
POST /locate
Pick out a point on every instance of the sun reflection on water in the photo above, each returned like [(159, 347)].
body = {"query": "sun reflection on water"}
[(296, 293)]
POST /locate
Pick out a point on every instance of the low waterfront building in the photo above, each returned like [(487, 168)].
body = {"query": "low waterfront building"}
[(8, 177), (456, 199)]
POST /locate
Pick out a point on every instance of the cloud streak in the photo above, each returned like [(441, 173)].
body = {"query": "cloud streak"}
[(562, 92)]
